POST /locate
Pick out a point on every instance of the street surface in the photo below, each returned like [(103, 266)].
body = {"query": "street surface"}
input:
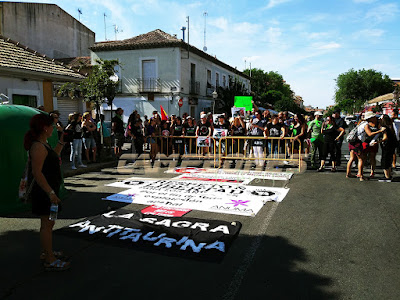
[(330, 238)]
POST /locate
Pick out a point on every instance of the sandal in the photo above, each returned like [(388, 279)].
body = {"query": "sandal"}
[(351, 176), (57, 254), (372, 175), (57, 265), (363, 178), (333, 169)]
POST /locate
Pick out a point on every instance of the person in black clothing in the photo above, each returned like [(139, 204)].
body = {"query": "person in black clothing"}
[(46, 171), (117, 128), (221, 124), (204, 128), (165, 141), (177, 130), (189, 129), (275, 129), (330, 131), (76, 145), (340, 123), (137, 135), (388, 145), (238, 129)]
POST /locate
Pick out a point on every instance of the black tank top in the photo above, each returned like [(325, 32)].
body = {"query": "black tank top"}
[(51, 171)]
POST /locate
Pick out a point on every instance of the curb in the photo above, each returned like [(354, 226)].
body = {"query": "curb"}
[(91, 168)]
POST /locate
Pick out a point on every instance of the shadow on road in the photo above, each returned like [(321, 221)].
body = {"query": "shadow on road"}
[(275, 274), (102, 271)]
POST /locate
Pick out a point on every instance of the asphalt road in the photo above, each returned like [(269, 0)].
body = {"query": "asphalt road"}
[(331, 238)]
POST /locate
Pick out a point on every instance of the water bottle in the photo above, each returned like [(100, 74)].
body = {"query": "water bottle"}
[(53, 212)]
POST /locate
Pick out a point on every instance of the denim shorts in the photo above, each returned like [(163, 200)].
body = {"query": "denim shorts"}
[(89, 143)]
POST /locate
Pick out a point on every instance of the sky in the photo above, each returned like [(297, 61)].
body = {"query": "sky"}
[(308, 42)]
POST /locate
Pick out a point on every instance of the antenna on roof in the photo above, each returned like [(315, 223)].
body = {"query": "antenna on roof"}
[(79, 14), (205, 14), (117, 30), (105, 29)]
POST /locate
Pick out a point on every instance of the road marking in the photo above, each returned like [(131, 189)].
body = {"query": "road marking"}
[(248, 259)]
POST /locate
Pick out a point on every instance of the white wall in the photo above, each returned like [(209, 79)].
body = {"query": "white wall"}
[(10, 86), (130, 61), (202, 65)]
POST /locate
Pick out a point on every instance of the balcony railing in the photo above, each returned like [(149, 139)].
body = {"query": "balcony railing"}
[(194, 87), (210, 90), (149, 85)]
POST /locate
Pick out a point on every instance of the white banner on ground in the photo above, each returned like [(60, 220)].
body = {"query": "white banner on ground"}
[(213, 197), (129, 182), (239, 173), (214, 178)]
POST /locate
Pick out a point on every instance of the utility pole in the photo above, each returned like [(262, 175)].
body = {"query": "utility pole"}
[(205, 14), (79, 14), (105, 28)]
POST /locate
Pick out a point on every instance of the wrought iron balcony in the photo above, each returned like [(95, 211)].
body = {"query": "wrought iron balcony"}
[(194, 87), (149, 85)]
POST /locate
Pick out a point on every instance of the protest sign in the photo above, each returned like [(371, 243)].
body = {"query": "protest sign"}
[(220, 133), (244, 101), (214, 197), (238, 112), (203, 141), (187, 237)]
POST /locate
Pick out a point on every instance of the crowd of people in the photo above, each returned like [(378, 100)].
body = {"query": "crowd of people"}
[(303, 133), (281, 136)]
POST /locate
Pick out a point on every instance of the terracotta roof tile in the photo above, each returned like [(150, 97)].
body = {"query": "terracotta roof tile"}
[(76, 62), (13, 55)]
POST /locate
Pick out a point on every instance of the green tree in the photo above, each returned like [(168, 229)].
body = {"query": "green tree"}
[(354, 88), (268, 88), (226, 96), (98, 87)]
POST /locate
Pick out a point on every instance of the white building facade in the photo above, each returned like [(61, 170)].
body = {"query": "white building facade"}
[(159, 69)]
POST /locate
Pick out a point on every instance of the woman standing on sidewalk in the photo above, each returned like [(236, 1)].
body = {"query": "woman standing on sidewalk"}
[(76, 146), (89, 128), (46, 171)]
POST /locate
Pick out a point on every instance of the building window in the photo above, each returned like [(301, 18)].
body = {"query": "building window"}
[(26, 100), (223, 80), (209, 84), (216, 80)]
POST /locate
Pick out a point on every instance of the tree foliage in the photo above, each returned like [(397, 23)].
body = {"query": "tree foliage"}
[(98, 87), (354, 88), (226, 96), (268, 88)]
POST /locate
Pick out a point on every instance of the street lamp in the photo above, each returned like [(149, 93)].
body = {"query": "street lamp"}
[(215, 96)]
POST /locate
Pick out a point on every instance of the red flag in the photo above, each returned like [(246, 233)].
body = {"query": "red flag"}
[(163, 114)]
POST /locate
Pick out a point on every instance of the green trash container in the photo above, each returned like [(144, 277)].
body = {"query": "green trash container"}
[(14, 123)]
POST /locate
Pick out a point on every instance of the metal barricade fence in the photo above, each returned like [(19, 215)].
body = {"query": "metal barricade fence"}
[(260, 149), (230, 147)]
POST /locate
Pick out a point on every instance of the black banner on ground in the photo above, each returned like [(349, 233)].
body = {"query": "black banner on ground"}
[(187, 237)]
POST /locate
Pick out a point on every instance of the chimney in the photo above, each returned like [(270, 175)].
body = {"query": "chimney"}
[(183, 33)]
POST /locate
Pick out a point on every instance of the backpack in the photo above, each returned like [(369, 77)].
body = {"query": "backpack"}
[(353, 135)]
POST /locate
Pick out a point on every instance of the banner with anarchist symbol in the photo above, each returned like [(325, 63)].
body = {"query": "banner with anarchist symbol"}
[(217, 197)]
